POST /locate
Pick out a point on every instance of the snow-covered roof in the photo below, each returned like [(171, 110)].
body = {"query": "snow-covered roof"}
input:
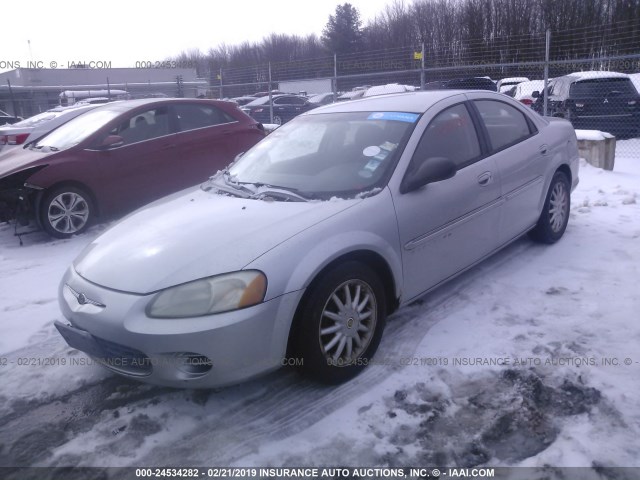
[(597, 74)]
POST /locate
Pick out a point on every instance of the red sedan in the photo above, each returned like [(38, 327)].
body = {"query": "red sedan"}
[(121, 156)]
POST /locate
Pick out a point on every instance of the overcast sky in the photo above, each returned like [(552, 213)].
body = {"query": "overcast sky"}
[(124, 32)]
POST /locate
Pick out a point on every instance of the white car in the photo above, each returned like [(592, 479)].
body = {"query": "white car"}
[(506, 83), (523, 92)]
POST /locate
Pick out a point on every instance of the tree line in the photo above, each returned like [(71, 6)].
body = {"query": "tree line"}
[(453, 32)]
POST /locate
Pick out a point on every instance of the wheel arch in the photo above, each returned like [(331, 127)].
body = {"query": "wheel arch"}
[(564, 168), (373, 260)]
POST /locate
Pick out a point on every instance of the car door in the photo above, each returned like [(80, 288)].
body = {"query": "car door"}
[(520, 155), (447, 226), (141, 168), (205, 142)]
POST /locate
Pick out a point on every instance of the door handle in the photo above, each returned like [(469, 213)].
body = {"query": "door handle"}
[(168, 147), (485, 178), (544, 149)]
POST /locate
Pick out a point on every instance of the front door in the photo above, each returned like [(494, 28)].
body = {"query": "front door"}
[(447, 226)]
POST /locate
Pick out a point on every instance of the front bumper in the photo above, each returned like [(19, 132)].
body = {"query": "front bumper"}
[(238, 345)]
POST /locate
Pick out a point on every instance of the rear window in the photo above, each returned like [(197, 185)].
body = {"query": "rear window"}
[(603, 87)]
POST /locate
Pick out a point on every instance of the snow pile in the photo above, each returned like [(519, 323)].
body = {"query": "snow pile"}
[(593, 135)]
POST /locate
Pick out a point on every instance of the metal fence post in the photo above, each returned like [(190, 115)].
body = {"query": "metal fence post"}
[(270, 96), (335, 77), (546, 71), (221, 97), (422, 73), (13, 100)]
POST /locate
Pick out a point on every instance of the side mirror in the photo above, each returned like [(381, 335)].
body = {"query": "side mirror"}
[(434, 169), (111, 141), (536, 94)]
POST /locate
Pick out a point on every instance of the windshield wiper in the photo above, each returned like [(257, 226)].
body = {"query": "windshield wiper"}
[(259, 190), (286, 193)]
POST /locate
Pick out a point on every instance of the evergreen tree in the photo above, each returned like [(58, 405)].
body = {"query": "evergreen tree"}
[(343, 32)]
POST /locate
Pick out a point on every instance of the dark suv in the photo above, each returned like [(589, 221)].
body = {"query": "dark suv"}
[(604, 101)]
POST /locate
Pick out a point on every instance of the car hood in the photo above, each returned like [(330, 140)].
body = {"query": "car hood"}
[(194, 234), (17, 159)]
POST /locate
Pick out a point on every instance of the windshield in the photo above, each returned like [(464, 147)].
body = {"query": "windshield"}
[(325, 155), (77, 129)]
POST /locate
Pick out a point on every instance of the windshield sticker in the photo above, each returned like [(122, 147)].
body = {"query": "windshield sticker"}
[(371, 166), (397, 116), (371, 151)]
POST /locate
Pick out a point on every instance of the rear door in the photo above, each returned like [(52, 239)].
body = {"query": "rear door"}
[(520, 155)]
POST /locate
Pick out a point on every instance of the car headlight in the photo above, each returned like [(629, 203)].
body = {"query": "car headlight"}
[(221, 293)]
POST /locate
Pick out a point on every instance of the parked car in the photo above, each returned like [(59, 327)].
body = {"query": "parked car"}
[(523, 91), (321, 99), (471, 83), (285, 107), (506, 83), (5, 118), (606, 101), (120, 156), (25, 131), (307, 242)]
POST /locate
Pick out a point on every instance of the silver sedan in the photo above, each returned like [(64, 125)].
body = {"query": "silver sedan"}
[(300, 249)]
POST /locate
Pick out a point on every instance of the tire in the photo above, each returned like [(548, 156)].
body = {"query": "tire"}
[(335, 356), (277, 120), (555, 213), (66, 211)]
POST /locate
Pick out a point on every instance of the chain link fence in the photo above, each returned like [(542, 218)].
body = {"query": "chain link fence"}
[(593, 91)]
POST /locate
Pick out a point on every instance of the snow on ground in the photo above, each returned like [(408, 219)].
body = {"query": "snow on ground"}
[(520, 361)]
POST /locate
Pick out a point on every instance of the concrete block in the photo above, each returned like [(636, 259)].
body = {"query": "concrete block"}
[(597, 148)]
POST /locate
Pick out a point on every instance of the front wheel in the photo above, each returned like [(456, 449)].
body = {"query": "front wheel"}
[(277, 120), (340, 325), (66, 211), (555, 213)]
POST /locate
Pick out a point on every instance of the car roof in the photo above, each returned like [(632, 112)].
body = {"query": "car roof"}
[(126, 105), (579, 76), (414, 102)]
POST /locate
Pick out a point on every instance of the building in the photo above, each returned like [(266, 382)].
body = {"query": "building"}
[(27, 91)]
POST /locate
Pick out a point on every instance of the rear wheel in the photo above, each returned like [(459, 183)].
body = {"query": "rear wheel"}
[(66, 210), (555, 213), (339, 328), (277, 120)]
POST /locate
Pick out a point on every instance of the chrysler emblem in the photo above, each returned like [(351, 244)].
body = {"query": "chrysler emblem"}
[(83, 299)]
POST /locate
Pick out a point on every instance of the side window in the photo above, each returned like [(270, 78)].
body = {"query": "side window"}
[(280, 101), (450, 134), (505, 124), (297, 101), (144, 126), (192, 116)]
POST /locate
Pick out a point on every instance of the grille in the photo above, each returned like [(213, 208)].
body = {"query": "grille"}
[(124, 359)]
